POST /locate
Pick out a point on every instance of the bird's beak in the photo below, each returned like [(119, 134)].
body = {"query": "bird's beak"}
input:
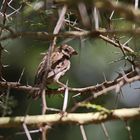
[(74, 53)]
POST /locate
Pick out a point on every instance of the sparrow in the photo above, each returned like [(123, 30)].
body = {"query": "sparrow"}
[(59, 65)]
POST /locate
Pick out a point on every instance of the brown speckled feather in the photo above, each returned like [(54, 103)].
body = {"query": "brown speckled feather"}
[(59, 64)]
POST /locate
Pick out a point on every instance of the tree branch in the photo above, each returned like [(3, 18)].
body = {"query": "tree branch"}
[(74, 118), (97, 90), (129, 12), (44, 35)]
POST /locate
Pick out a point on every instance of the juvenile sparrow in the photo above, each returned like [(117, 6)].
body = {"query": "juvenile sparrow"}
[(59, 64)]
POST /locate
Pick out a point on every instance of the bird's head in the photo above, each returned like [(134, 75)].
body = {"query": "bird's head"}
[(68, 50)]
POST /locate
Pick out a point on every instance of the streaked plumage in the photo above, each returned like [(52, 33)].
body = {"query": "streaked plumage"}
[(59, 64)]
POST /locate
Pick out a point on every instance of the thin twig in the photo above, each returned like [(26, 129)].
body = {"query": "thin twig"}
[(105, 131), (128, 128), (84, 14), (83, 132), (27, 131), (21, 75), (65, 102), (96, 18)]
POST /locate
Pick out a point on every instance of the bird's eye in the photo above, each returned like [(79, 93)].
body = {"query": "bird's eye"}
[(66, 50)]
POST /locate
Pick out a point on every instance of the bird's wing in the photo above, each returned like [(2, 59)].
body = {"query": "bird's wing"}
[(60, 69), (55, 59), (40, 71)]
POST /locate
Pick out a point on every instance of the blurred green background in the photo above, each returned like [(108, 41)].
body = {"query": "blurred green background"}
[(93, 64)]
